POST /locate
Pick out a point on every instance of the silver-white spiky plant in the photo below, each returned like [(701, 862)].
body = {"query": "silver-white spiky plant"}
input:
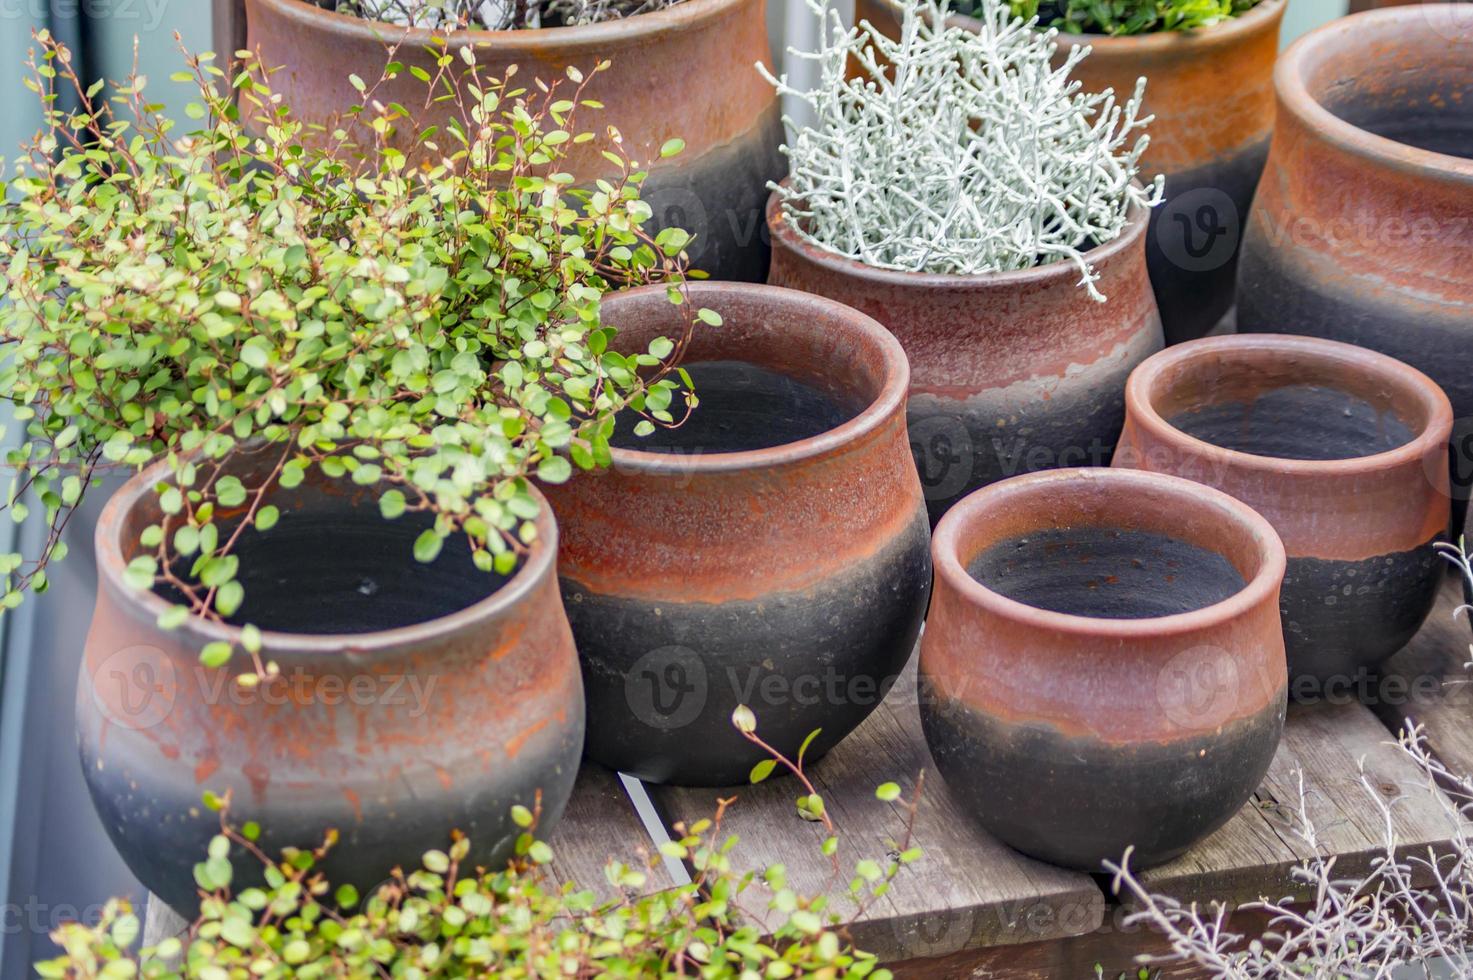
[(497, 15), (958, 151)]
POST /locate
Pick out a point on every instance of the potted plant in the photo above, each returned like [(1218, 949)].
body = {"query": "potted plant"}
[(1103, 666), (1361, 229), (770, 552), (684, 77), (1343, 450), (983, 209), (1209, 68), (330, 595)]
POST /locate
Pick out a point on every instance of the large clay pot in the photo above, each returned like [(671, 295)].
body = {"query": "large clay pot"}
[(1011, 372), (1211, 93), (1343, 450), (682, 72), (414, 700), (1362, 228), (1102, 666), (772, 552)]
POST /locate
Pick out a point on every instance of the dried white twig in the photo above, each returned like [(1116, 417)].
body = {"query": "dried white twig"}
[(1378, 926), (959, 152)]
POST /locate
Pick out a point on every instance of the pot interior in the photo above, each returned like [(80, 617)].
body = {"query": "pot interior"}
[(1106, 572), (1288, 405), (1400, 80), (334, 565), (743, 407)]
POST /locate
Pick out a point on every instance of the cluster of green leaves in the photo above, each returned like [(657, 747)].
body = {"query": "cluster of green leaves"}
[(516, 922), (429, 331), (1124, 16)]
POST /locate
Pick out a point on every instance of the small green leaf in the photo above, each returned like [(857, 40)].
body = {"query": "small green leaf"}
[(427, 547), (672, 147), (762, 770), (216, 654), (887, 792)]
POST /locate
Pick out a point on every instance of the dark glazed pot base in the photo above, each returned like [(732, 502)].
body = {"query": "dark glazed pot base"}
[(1076, 802), (1342, 618), (662, 679)]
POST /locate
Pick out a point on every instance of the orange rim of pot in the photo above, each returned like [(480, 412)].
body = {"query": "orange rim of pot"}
[(782, 230), (882, 407), (638, 28), (1262, 587), (1291, 82), (1144, 386), (533, 570)]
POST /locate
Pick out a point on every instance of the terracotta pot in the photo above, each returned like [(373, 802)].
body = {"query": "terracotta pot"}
[(1362, 229), (683, 72), (413, 700), (772, 552), (1342, 449), (1211, 93), (1010, 372), (1102, 666)]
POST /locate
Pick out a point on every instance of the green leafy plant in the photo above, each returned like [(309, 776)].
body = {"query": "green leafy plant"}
[(1123, 16), (446, 920), (431, 332)]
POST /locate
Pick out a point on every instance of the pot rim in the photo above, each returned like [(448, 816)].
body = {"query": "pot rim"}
[(883, 407), (636, 29), (783, 232), (110, 564), (1262, 588), (1402, 377), (1295, 97)]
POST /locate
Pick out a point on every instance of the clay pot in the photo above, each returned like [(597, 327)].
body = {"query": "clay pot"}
[(1343, 450), (1103, 666), (1362, 228), (1010, 372), (413, 700), (683, 72), (772, 552), (1211, 93)]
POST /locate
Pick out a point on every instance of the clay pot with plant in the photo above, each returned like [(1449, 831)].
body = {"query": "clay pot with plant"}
[(684, 104), (1021, 301), (1362, 228), (330, 596), (772, 551), (1209, 93), (1343, 450), (1103, 666)]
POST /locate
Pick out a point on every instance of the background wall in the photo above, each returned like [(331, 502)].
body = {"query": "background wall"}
[(55, 861)]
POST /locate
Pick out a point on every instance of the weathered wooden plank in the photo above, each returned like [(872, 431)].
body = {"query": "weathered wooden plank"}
[(599, 825), (967, 891)]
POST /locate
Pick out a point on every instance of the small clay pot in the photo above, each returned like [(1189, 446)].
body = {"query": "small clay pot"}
[(1342, 449), (1011, 372), (413, 700), (773, 551), (1210, 92), (729, 119), (1103, 665), (1362, 228)]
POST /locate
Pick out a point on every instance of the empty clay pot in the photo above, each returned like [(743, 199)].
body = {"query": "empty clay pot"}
[(1211, 93), (1343, 450), (730, 119), (773, 551), (1103, 665), (1010, 372), (1362, 228), (413, 700)]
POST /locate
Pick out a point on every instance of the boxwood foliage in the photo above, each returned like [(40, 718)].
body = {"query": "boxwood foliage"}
[(430, 330)]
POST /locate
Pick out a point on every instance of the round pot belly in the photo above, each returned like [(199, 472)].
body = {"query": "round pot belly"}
[(730, 122), (1362, 228), (1342, 449), (1103, 667), (412, 700), (1010, 372), (772, 552)]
